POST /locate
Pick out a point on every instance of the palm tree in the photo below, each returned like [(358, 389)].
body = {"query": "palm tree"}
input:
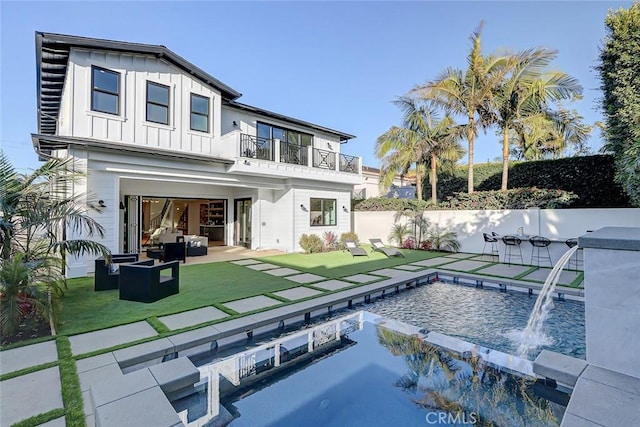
[(36, 211), (470, 92), (525, 92), (422, 137)]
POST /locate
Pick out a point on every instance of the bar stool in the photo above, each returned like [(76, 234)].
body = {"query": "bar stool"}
[(493, 245), (576, 259), (538, 243), (510, 245)]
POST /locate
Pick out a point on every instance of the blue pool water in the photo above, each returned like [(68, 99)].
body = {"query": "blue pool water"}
[(485, 316), (369, 376)]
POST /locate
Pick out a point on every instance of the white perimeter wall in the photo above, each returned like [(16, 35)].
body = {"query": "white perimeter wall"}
[(559, 224)]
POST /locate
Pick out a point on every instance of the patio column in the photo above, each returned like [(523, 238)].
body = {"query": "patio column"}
[(612, 298)]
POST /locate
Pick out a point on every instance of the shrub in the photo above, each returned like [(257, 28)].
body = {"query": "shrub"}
[(408, 244), (426, 245), (443, 240), (330, 240), (311, 243), (385, 204), (348, 236), (519, 198), (398, 233)]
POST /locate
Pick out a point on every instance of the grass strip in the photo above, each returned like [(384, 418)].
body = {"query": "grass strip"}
[(71, 391), (26, 342), (156, 324), (36, 420), (525, 273), (28, 370)]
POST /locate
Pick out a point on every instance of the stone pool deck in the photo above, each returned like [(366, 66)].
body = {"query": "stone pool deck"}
[(315, 295)]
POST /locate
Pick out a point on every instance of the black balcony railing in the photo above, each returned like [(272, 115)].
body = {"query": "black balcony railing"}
[(256, 148), (293, 154), (324, 159), (349, 164), (265, 149)]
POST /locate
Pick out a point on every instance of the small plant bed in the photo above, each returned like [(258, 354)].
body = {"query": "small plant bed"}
[(29, 328)]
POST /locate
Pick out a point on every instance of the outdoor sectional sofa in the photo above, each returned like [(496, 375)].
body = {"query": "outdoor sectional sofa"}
[(141, 281)]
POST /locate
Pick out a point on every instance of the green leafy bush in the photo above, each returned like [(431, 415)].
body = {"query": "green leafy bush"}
[(385, 204), (310, 243), (591, 178), (348, 236), (519, 198)]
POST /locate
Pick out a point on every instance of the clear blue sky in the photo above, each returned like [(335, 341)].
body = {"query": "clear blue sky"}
[(337, 64)]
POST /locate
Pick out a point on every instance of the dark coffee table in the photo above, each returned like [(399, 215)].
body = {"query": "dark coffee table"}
[(196, 250), (155, 253)]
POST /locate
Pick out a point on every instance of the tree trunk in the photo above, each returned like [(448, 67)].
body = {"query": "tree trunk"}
[(470, 136), (434, 178), (505, 158), (418, 182)]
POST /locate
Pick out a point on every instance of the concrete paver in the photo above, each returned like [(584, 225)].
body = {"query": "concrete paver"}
[(28, 356), (95, 376), (146, 408), (297, 293), (332, 285), (503, 270), (408, 267), (28, 395), (246, 262), (262, 266), (105, 338), (566, 277), (252, 303), (58, 422), (94, 362), (305, 278), (461, 255), (282, 272), (433, 261), (466, 265), (390, 272), (192, 317), (362, 278)]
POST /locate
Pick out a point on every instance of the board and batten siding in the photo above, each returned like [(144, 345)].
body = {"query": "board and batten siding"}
[(130, 126), (302, 218)]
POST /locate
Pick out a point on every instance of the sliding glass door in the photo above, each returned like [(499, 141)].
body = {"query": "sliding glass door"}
[(242, 222)]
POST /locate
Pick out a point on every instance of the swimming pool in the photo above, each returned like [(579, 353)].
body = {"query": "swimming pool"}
[(485, 316), (360, 370)]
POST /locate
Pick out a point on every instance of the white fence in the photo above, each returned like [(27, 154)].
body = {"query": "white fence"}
[(556, 224)]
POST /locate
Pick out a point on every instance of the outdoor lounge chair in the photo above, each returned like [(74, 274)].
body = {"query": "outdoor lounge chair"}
[(378, 246), (354, 249)]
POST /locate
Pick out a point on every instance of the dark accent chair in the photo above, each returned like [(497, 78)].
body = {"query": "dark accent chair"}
[(142, 282), (174, 252), (511, 243), (378, 246), (354, 249), (106, 276)]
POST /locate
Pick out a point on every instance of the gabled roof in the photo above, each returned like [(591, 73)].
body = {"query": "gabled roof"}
[(52, 55), (244, 107)]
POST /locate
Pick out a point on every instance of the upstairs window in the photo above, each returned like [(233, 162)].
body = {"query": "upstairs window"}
[(157, 103), (105, 90), (323, 212), (199, 113)]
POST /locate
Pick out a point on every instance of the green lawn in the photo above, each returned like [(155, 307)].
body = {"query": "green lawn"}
[(201, 285)]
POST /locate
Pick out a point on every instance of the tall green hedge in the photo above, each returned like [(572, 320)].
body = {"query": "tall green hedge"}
[(591, 178)]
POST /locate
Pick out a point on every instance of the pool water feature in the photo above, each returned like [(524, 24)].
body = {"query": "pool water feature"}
[(487, 317), (533, 335), (362, 370)]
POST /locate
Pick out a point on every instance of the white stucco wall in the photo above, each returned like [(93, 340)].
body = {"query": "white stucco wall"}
[(558, 224)]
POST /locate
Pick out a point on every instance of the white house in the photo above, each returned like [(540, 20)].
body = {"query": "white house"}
[(372, 187), (166, 145)]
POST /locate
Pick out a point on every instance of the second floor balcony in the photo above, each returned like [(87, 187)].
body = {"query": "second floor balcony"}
[(279, 151)]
